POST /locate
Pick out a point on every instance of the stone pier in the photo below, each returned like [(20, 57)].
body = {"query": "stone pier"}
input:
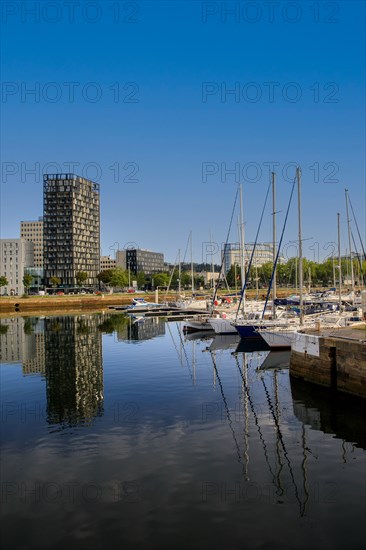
[(336, 360)]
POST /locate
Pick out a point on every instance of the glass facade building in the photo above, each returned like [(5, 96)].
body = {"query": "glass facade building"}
[(71, 228)]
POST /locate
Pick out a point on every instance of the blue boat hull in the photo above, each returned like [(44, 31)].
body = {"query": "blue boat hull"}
[(249, 331)]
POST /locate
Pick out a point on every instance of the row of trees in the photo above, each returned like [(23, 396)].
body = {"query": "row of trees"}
[(287, 273), (28, 279), (119, 278)]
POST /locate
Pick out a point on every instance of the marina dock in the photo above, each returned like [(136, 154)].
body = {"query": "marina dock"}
[(335, 359)]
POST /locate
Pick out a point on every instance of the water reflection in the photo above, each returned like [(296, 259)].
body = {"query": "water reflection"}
[(334, 413), (74, 369), (179, 436), (132, 329), (18, 340)]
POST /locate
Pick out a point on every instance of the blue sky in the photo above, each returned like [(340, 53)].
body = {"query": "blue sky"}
[(147, 115)]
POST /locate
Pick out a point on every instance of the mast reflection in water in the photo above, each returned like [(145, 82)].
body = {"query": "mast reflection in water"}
[(119, 432)]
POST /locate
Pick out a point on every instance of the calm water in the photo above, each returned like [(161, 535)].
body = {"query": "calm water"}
[(121, 435)]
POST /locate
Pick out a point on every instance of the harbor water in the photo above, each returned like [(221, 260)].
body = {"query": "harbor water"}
[(120, 433)]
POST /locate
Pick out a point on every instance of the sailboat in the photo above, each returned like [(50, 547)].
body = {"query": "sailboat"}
[(226, 324), (250, 328)]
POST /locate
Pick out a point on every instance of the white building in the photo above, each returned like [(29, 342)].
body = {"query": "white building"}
[(263, 253), (208, 276), (33, 231), (106, 262), (15, 256)]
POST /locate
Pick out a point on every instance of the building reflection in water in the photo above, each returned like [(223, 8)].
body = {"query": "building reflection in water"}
[(74, 370), (146, 328), (330, 412), (18, 340), (132, 329)]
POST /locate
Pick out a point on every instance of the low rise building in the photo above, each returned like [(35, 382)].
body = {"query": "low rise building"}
[(15, 256), (138, 260), (106, 262), (210, 277), (33, 231)]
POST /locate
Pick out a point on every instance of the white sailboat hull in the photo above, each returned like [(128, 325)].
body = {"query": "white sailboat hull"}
[(279, 338), (222, 326)]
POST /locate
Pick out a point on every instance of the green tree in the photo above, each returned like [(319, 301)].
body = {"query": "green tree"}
[(55, 281), (161, 279), (119, 278), (230, 276), (27, 280), (175, 277), (199, 281), (265, 272), (105, 276), (186, 279), (3, 281), (141, 279), (81, 277)]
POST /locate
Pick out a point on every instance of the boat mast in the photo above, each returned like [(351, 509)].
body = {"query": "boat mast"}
[(212, 262), (190, 237), (179, 272), (339, 262), (296, 278), (242, 258), (298, 175), (274, 243), (350, 247)]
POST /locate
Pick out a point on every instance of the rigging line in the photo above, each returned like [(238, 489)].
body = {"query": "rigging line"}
[(256, 422), (358, 231), (278, 249), (252, 254), (283, 445), (223, 256), (171, 277), (186, 250), (227, 413)]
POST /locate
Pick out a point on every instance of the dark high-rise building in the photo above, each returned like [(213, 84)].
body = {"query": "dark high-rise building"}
[(138, 260), (71, 228)]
